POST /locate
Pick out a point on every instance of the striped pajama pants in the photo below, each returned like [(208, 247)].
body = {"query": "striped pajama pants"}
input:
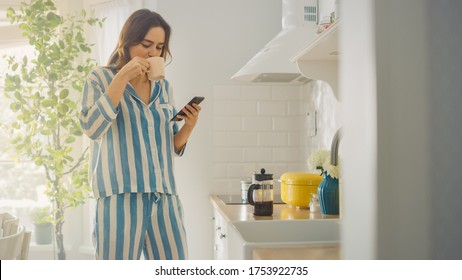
[(129, 224)]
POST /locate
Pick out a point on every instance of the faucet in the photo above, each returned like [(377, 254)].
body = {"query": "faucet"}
[(334, 147)]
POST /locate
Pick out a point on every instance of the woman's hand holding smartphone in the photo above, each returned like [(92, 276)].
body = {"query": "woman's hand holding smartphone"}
[(196, 99)]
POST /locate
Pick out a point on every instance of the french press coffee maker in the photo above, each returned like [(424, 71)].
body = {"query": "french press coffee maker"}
[(260, 194)]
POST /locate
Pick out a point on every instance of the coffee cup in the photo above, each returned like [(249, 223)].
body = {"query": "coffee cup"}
[(156, 69)]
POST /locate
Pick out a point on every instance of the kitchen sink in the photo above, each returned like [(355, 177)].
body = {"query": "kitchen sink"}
[(245, 236)]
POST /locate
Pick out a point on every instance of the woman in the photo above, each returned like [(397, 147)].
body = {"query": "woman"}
[(127, 116)]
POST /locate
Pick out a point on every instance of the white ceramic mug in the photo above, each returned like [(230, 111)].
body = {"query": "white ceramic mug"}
[(156, 69)]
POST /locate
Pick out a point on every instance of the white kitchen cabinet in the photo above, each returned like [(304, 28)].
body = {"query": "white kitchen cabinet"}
[(220, 228), (237, 232), (318, 60), (227, 240), (236, 245)]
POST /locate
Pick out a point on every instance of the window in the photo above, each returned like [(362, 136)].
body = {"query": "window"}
[(21, 183)]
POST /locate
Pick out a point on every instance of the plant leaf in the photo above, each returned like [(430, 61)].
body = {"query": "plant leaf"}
[(64, 93)]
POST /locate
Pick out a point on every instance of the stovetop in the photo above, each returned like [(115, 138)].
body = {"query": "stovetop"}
[(237, 199)]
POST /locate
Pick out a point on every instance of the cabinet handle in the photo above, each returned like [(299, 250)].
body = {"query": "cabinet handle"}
[(222, 235), (218, 228)]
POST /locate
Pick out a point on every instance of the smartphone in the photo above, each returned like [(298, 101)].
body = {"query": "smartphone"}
[(196, 99)]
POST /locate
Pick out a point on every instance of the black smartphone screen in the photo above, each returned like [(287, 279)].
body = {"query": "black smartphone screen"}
[(196, 99)]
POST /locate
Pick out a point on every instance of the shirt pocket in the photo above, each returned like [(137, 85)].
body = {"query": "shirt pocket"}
[(167, 111)]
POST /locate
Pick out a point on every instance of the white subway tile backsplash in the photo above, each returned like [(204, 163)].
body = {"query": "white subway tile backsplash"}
[(224, 186), (272, 108), (242, 139), (226, 92), (227, 155), (256, 93), (294, 108), (296, 138), (272, 139), (220, 139), (298, 167), (248, 108), (306, 107), (260, 123), (223, 107), (227, 123), (288, 154), (286, 93), (287, 123), (234, 108), (240, 170), (258, 154), (267, 127)]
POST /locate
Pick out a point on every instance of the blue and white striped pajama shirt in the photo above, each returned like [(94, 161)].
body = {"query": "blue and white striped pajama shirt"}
[(131, 171)]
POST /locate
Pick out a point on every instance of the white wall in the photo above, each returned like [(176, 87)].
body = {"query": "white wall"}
[(358, 92)]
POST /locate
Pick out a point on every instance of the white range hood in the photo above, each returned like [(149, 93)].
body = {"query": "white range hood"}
[(272, 64)]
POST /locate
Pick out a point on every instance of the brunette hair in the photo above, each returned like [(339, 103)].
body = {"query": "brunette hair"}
[(133, 32)]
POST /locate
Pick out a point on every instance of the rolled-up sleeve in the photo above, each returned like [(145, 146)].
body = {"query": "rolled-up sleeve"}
[(97, 111), (181, 152)]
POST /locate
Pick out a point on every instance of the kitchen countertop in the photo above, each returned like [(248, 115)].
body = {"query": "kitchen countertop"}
[(243, 212), (238, 213)]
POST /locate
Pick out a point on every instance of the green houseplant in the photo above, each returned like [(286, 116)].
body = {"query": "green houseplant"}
[(43, 93), (43, 227)]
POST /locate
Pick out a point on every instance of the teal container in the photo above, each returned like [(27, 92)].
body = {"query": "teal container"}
[(328, 193)]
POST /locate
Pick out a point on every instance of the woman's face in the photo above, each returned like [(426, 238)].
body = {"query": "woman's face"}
[(152, 45)]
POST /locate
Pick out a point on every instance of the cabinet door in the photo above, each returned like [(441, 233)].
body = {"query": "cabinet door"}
[(220, 251)]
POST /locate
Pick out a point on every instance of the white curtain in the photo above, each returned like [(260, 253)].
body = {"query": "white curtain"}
[(115, 13)]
